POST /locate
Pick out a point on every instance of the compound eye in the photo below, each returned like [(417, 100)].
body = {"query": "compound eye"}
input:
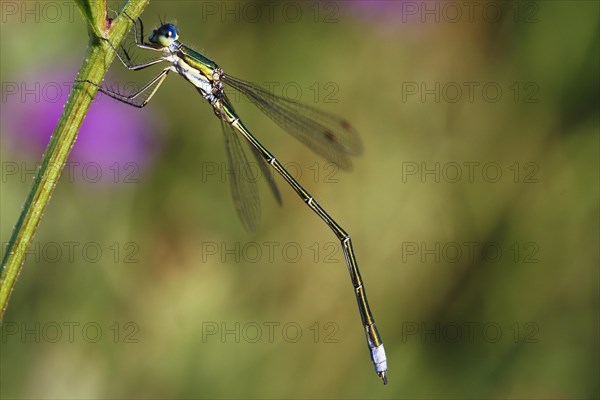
[(164, 36), (171, 32)]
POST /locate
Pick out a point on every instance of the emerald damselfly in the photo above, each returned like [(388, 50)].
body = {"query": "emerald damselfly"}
[(328, 135)]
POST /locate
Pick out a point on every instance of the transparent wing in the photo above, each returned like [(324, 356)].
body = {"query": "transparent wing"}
[(241, 180), (326, 134), (267, 173)]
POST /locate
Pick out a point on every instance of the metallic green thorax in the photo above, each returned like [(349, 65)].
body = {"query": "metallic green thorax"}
[(197, 61)]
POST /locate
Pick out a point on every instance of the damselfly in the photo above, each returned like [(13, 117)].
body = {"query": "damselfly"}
[(328, 135)]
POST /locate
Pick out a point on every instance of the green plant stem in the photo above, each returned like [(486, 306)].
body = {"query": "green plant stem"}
[(97, 60)]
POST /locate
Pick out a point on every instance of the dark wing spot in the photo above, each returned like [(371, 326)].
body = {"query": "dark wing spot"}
[(330, 137), (346, 125)]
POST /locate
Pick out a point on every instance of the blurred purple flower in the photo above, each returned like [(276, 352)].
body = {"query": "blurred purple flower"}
[(390, 10), (380, 6), (114, 138), (388, 15)]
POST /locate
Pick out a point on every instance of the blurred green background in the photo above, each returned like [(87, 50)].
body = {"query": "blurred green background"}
[(473, 210)]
